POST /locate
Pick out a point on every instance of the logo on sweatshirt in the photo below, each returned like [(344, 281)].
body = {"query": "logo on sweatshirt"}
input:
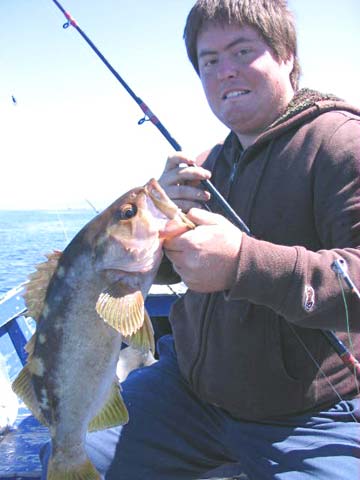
[(309, 298)]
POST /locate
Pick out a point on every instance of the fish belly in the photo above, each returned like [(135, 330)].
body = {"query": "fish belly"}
[(79, 386)]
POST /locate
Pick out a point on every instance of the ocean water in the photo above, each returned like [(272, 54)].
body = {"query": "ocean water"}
[(26, 236)]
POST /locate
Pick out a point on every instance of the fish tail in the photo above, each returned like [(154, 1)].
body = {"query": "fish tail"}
[(85, 471)]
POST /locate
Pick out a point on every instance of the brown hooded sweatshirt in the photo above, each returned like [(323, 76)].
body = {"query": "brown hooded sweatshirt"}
[(256, 350)]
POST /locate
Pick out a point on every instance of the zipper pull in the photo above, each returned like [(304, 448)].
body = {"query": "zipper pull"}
[(234, 167)]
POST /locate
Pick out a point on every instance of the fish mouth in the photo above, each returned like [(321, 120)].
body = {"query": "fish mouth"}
[(167, 207), (159, 219), (234, 94)]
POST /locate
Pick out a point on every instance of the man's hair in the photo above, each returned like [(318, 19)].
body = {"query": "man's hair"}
[(271, 18)]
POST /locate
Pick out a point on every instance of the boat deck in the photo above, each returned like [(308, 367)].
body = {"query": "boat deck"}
[(20, 446)]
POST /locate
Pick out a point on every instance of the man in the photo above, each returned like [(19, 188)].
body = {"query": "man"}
[(249, 379)]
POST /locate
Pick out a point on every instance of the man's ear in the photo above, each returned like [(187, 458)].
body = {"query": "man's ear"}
[(289, 64)]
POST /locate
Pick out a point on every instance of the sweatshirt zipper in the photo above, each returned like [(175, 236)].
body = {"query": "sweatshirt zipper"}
[(234, 169), (202, 343), (211, 299)]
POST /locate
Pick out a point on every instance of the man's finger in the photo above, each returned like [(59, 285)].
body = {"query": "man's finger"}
[(174, 161), (187, 192), (204, 217)]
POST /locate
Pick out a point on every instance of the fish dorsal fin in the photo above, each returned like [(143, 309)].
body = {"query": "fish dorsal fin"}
[(30, 346), (113, 413), (35, 289), (143, 339), (23, 388), (121, 309)]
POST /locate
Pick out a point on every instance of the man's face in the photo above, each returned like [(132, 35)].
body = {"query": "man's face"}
[(247, 88)]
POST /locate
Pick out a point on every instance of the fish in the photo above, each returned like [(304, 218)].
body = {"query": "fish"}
[(86, 301)]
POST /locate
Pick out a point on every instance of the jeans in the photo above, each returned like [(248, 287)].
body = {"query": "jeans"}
[(173, 435)]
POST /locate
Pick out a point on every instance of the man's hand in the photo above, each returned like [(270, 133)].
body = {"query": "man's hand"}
[(182, 183), (206, 257)]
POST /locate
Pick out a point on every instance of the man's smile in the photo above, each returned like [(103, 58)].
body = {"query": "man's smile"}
[(234, 94)]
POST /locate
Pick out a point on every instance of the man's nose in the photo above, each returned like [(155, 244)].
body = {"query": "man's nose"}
[(227, 68)]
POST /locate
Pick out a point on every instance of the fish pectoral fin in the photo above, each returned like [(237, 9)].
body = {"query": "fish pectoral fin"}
[(143, 339), (35, 289), (85, 471), (113, 413), (22, 386), (122, 311)]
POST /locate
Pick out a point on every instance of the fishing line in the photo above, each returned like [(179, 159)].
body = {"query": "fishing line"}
[(174, 292), (318, 366), (62, 227), (351, 346), (92, 206)]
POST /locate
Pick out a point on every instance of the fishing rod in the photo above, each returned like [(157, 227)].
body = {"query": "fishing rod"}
[(340, 268), (149, 115), (346, 356)]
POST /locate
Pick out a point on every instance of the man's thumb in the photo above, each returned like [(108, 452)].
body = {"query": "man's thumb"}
[(204, 217)]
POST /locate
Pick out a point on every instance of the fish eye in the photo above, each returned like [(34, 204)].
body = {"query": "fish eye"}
[(126, 212)]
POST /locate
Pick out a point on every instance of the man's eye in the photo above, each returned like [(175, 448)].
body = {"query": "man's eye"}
[(243, 51), (209, 62)]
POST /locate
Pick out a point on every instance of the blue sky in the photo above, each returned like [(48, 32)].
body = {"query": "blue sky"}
[(73, 134)]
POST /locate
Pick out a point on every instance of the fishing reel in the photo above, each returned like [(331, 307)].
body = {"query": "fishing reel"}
[(339, 266)]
